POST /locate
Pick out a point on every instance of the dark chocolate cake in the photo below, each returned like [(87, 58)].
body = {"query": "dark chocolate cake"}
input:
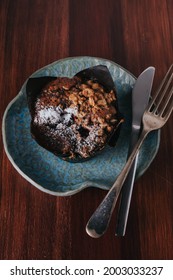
[(74, 117)]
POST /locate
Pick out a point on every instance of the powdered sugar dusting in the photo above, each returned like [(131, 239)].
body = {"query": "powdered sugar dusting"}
[(61, 120), (54, 115)]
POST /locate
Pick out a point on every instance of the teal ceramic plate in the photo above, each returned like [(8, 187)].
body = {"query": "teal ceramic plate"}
[(53, 175)]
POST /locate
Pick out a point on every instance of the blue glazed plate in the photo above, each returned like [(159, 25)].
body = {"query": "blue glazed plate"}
[(53, 175)]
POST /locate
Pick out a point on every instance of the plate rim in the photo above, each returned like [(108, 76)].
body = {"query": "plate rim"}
[(26, 177)]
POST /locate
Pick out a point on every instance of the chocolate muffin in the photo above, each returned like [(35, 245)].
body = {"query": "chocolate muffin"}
[(74, 117)]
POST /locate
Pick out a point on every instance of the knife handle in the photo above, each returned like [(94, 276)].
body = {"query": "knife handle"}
[(127, 189), (125, 201)]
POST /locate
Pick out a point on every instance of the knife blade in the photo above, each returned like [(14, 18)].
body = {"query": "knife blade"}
[(140, 97)]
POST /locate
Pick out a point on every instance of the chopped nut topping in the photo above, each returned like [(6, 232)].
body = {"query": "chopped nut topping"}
[(86, 111)]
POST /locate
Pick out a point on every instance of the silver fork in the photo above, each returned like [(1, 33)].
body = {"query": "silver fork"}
[(155, 116)]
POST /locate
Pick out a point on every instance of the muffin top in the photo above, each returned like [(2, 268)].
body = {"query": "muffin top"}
[(74, 118)]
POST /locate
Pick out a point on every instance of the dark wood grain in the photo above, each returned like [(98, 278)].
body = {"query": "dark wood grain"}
[(134, 34)]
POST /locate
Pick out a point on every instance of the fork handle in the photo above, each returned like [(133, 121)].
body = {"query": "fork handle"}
[(99, 221), (127, 189), (126, 195)]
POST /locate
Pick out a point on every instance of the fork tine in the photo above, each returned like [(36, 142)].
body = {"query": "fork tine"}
[(169, 110), (164, 107), (163, 93), (165, 83)]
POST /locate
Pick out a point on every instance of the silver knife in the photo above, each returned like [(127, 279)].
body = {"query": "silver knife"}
[(140, 97)]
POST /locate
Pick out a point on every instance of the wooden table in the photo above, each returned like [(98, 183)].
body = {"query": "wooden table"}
[(134, 34)]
